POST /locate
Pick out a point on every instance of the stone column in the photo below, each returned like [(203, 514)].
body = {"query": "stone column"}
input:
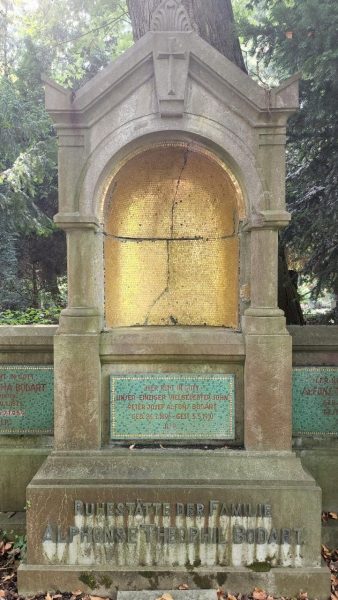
[(268, 365), (76, 348)]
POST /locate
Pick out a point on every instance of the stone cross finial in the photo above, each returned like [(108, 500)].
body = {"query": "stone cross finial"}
[(171, 55), (170, 16)]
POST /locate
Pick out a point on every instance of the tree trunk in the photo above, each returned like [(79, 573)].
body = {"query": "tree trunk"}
[(212, 19), (288, 299)]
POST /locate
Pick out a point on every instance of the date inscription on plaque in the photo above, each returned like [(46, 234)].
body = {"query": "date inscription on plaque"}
[(177, 407), (315, 401), (26, 400)]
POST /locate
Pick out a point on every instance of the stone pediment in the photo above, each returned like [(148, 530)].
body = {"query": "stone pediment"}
[(171, 59)]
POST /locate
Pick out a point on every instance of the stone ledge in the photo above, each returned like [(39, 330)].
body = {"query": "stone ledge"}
[(191, 341), (27, 337), (313, 338), (166, 467), (106, 581), (14, 523)]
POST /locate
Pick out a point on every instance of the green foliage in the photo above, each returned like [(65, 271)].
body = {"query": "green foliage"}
[(9, 291), (283, 37), (31, 316), (89, 35), (20, 546), (34, 40), (13, 545)]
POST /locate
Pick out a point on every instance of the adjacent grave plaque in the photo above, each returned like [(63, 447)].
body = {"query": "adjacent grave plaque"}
[(315, 401), (26, 399), (177, 406)]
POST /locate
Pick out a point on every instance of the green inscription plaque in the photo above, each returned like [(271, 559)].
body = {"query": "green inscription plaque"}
[(315, 401), (26, 399), (178, 407)]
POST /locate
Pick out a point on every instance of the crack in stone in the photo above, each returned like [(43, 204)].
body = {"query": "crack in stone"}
[(164, 292), (169, 241), (195, 238), (185, 161)]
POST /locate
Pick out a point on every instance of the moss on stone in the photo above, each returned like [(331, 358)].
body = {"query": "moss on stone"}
[(260, 567), (203, 582), (106, 581), (88, 579), (152, 577), (221, 578)]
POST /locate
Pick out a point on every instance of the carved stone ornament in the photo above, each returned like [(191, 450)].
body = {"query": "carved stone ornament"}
[(171, 64), (170, 16)]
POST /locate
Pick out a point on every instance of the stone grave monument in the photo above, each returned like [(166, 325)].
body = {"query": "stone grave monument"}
[(172, 460)]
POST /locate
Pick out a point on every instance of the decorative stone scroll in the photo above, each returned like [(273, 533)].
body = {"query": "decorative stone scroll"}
[(170, 16)]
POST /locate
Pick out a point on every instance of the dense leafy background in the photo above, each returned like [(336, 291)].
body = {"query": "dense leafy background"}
[(282, 37), (70, 41)]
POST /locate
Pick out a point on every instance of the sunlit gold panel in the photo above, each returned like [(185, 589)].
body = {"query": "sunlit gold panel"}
[(202, 289), (172, 192), (136, 274), (172, 251)]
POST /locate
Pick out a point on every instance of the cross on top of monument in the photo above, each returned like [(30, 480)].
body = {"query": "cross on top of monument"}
[(170, 16), (171, 55)]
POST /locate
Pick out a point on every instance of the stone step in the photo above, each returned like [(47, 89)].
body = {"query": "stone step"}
[(13, 523), (175, 594)]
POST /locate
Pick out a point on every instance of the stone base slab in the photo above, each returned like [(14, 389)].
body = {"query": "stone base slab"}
[(119, 583), (215, 549)]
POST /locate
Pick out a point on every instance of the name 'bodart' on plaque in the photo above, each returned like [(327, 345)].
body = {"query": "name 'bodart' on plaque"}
[(177, 406), (26, 400)]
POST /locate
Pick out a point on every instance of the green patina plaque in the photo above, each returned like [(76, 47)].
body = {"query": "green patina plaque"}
[(177, 407), (315, 401), (26, 399)]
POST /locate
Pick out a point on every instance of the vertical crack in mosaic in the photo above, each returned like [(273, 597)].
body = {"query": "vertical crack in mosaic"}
[(164, 292), (168, 243)]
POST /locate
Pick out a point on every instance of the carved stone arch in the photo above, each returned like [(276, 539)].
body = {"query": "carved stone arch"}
[(120, 144), (171, 16), (171, 227)]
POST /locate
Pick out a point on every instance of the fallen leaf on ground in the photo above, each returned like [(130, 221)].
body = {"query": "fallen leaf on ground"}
[(8, 577), (183, 586), (2, 594), (334, 596), (220, 594), (165, 597), (96, 598), (333, 515), (302, 596), (57, 596), (77, 593), (4, 547), (48, 596), (270, 598), (259, 594), (230, 597)]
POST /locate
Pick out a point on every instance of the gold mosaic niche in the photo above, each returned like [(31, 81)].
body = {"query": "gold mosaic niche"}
[(171, 245)]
